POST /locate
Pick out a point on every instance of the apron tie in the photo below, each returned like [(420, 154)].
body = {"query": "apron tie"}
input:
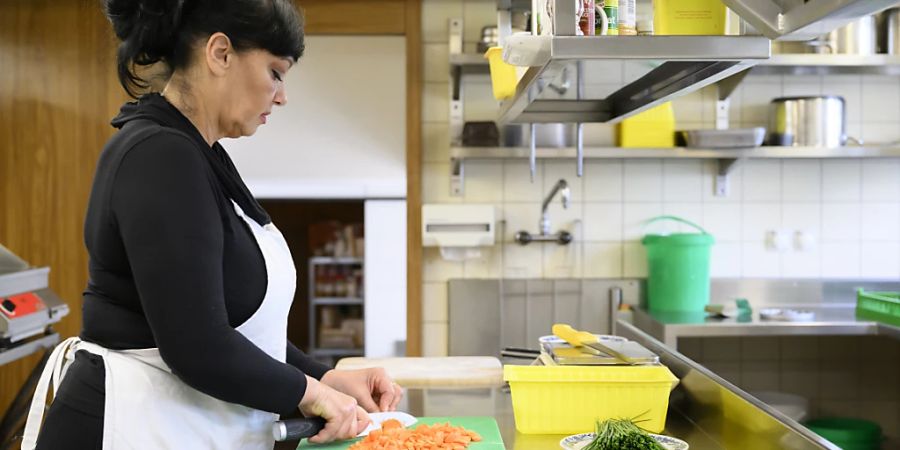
[(55, 369)]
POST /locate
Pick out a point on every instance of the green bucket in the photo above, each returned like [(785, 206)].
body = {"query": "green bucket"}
[(678, 271), (847, 433)]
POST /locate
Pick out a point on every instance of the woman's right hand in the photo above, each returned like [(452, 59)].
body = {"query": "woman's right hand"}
[(344, 418)]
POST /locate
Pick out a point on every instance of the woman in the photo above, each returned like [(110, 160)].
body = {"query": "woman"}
[(185, 315)]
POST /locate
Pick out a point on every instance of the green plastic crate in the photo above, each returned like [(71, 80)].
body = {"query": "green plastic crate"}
[(880, 306)]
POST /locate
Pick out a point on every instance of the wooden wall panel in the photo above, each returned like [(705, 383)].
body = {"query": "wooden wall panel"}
[(355, 16), (57, 93), (413, 178)]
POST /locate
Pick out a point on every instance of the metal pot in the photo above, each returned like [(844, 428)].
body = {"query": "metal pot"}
[(816, 121), (548, 135), (859, 37), (892, 30)]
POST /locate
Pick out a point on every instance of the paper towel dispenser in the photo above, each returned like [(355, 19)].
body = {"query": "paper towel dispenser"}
[(450, 226)]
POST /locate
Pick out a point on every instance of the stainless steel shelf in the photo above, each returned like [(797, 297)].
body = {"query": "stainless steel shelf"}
[(329, 260), (493, 153), (469, 59), (337, 301), (813, 64), (685, 64)]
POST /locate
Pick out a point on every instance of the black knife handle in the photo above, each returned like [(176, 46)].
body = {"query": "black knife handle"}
[(296, 429)]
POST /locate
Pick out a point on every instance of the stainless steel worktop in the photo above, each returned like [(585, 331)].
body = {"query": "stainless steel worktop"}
[(828, 320), (704, 410)]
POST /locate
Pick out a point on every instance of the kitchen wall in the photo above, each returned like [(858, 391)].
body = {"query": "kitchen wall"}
[(850, 206)]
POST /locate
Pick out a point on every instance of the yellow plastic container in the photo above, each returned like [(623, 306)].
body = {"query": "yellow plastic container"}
[(503, 75), (570, 399), (689, 17), (653, 128)]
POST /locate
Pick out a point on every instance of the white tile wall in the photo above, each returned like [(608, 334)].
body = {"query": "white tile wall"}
[(851, 207)]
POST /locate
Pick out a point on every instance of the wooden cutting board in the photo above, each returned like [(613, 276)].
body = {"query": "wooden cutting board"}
[(485, 426), (429, 372)]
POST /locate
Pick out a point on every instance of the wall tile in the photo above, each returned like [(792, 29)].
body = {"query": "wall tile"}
[(688, 108), (682, 181), (802, 85), (840, 221), (603, 260), (523, 261), (484, 182), (735, 184), (764, 348), (436, 184), (436, 63), (436, 103), (634, 260), (802, 180), (434, 302), (723, 221), (435, 14), (762, 181), (562, 261), (881, 97), (635, 216), (880, 260), (567, 219), (806, 264), (849, 87), (874, 133), (722, 349), (488, 266), (478, 100), (841, 180), (806, 217), (799, 378), (436, 142), (725, 260), (758, 219), (880, 221), (840, 260), (604, 71), (599, 134), (692, 212), (757, 262), (755, 98), (434, 339), (517, 184), (521, 217), (437, 269), (760, 376), (603, 221), (800, 348), (643, 181), (603, 181), (881, 180)]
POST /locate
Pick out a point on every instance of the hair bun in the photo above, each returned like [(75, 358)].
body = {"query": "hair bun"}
[(148, 26)]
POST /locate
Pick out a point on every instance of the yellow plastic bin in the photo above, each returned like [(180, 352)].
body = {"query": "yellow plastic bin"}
[(503, 75), (689, 17), (570, 399), (653, 128)]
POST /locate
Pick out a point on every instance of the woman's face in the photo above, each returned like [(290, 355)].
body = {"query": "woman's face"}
[(254, 87)]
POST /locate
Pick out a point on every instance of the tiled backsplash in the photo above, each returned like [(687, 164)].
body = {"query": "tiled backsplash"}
[(850, 206)]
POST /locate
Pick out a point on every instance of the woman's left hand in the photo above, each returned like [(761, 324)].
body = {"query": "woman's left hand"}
[(372, 388)]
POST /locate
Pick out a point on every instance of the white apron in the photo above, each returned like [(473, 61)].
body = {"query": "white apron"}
[(147, 407)]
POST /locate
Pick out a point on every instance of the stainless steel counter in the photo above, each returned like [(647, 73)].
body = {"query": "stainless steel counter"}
[(829, 320), (704, 410)]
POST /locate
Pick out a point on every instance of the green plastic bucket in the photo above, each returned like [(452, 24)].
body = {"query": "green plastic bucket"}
[(678, 271), (847, 433)]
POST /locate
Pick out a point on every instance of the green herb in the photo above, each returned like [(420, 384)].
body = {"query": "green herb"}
[(622, 434)]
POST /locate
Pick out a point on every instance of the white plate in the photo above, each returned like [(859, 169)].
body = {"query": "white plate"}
[(379, 417), (579, 441)]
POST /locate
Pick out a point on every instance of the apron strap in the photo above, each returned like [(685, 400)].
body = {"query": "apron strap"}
[(54, 369)]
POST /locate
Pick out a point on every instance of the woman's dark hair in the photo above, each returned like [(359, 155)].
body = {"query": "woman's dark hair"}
[(165, 31)]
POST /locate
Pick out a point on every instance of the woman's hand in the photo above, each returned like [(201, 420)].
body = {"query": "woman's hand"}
[(372, 388), (344, 418)]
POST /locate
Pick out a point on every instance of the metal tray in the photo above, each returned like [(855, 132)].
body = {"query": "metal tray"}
[(564, 354), (711, 139)]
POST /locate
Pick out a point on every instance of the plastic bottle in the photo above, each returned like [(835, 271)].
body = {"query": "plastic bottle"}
[(627, 18)]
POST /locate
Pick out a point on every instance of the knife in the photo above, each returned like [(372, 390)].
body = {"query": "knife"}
[(296, 429), (583, 338)]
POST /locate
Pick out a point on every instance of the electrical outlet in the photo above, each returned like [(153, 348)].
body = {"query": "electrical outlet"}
[(778, 240)]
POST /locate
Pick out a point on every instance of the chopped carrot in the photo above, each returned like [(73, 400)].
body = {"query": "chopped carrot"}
[(394, 436)]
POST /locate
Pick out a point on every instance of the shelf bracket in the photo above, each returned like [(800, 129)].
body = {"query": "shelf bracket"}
[(724, 167), (457, 177), (725, 88)]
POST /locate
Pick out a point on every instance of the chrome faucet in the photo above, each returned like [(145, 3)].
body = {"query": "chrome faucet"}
[(562, 237)]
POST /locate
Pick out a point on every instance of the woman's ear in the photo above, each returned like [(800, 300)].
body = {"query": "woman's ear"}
[(219, 53)]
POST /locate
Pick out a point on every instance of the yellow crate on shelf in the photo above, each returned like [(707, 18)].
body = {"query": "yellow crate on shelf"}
[(689, 17), (503, 75), (653, 128), (570, 399)]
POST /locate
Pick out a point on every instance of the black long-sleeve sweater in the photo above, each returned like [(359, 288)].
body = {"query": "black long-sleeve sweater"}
[(172, 265)]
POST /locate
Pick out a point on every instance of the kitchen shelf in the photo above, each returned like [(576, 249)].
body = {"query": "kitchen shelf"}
[(337, 301), (814, 64), (685, 64)]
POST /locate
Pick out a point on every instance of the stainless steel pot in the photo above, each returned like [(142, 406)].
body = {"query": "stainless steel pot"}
[(892, 30), (859, 37), (816, 121), (548, 135)]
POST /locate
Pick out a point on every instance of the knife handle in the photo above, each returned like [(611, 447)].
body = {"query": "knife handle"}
[(573, 336), (296, 429)]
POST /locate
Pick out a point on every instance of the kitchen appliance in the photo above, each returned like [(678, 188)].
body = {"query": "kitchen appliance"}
[(859, 37), (813, 121), (546, 135), (27, 308)]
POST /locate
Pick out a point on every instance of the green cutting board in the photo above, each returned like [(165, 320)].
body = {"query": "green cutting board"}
[(485, 426)]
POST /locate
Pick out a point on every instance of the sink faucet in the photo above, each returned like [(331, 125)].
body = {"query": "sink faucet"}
[(562, 237), (560, 186)]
